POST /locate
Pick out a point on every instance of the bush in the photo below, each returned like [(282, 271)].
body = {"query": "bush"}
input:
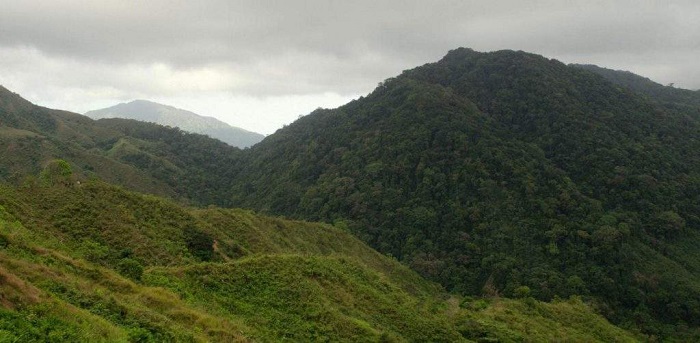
[(522, 292), (56, 172), (199, 243), (130, 268)]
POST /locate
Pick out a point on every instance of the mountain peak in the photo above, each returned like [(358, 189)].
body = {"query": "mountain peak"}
[(143, 102)]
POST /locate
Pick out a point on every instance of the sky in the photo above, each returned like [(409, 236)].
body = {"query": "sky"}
[(261, 64)]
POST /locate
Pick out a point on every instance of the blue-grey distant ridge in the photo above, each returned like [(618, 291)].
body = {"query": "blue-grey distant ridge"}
[(149, 111)]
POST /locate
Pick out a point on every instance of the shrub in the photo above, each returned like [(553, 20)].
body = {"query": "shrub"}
[(130, 268), (199, 243)]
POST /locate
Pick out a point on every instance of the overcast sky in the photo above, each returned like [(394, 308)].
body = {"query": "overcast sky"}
[(261, 64)]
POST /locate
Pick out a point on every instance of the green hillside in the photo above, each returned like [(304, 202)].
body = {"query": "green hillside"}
[(93, 262), (669, 96), (488, 172), (140, 156)]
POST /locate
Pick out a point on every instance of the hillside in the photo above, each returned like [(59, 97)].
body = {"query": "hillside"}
[(93, 262), (669, 96), (488, 172), (140, 156), (152, 112)]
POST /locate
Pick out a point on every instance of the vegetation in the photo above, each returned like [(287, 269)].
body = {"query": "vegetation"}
[(499, 174), (140, 156), (667, 96), (93, 262), (488, 172)]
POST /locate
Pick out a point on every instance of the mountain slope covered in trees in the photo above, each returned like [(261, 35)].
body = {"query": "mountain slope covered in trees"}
[(667, 96), (152, 112), (488, 172)]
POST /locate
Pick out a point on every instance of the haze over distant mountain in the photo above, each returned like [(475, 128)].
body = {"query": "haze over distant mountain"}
[(148, 111)]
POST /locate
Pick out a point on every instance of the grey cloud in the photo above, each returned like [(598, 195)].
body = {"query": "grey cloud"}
[(299, 47)]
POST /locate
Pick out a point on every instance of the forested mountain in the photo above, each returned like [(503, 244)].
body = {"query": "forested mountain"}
[(152, 112), (488, 172), (140, 156)]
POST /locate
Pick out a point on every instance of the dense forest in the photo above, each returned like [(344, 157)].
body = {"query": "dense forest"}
[(489, 172), (668, 96), (501, 174)]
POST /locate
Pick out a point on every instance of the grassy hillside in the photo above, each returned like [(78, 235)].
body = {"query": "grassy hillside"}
[(93, 262)]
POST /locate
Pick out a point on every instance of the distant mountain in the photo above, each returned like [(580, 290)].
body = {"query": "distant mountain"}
[(152, 112)]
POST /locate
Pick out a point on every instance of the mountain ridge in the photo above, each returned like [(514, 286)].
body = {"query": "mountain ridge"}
[(667, 96), (150, 111)]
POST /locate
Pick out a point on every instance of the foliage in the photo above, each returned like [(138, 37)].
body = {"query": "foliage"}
[(503, 320), (135, 279), (487, 172), (140, 156), (667, 96), (491, 173), (199, 243), (56, 171)]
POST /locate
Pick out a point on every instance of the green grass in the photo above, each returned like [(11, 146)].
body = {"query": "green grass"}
[(308, 298), (528, 320)]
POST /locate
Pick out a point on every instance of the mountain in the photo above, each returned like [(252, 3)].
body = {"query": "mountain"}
[(147, 111), (668, 96), (93, 262), (488, 172), (140, 156)]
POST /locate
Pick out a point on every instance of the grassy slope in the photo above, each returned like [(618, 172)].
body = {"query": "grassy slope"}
[(63, 252)]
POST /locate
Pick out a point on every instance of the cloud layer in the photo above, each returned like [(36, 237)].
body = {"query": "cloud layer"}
[(78, 54)]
